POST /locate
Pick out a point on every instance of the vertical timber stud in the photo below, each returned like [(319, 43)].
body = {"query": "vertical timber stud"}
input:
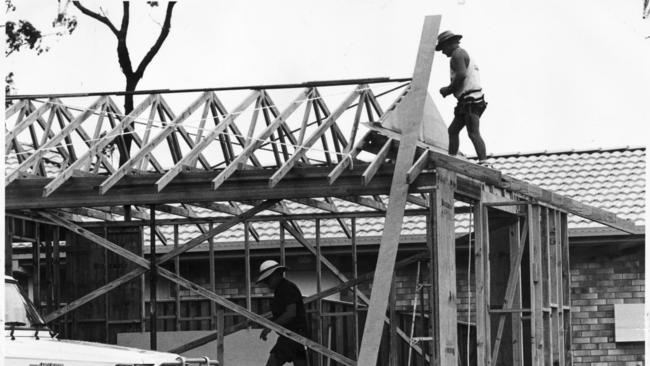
[(319, 288), (410, 112), (9, 221), (213, 281), (517, 330), (536, 314), (482, 343), (566, 290), (355, 301), (177, 271), (445, 336), (36, 257), (153, 279)]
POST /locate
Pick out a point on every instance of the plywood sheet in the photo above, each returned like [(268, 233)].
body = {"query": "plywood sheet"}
[(243, 348)]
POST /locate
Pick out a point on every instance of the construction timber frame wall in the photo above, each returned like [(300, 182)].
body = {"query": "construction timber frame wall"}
[(522, 315)]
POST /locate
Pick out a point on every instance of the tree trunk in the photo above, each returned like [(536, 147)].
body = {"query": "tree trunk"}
[(127, 139)]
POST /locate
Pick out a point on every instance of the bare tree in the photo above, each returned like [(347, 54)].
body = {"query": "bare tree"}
[(132, 76)]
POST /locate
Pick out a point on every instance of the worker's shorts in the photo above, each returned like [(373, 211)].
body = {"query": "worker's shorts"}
[(468, 105), (286, 350)]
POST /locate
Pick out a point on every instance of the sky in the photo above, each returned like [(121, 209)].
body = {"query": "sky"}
[(558, 75)]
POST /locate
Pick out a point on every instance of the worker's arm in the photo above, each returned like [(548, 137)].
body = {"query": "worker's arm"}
[(284, 319), (458, 63)]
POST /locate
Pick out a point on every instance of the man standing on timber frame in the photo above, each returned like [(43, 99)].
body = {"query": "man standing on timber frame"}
[(466, 87), (288, 311)]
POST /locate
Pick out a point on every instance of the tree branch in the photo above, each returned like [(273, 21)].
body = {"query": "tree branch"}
[(125, 17), (96, 16), (161, 38)]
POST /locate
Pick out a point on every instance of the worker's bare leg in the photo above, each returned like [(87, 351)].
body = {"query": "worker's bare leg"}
[(472, 121), (454, 130)]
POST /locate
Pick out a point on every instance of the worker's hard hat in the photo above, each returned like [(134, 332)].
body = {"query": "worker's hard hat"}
[(268, 267), (446, 37)]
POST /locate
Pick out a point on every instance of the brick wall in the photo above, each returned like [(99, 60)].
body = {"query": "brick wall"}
[(600, 278)]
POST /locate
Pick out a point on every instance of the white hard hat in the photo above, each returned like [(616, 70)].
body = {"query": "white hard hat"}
[(268, 267)]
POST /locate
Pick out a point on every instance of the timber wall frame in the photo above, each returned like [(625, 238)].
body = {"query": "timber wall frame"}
[(245, 171)]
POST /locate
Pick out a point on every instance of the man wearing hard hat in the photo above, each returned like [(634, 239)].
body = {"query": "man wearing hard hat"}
[(288, 311)]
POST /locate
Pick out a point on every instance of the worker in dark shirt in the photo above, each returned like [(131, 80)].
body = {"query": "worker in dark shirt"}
[(288, 311)]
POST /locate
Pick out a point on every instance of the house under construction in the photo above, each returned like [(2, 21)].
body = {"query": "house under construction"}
[(288, 162)]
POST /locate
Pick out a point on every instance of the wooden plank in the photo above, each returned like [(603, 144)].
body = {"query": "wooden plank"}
[(136, 137), (12, 109), (560, 341), (9, 245), (347, 160), (481, 231), (177, 295), (545, 264), (27, 122), (153, 281), (73, 125), (516, 243), (213, 281), (554, 329), (355, 301), (566, 289), (445, 337), (372, 169), (36, 262), (365, 201), (417, 167), (221, 323), (393, 359), (319, 284), (147, 148), (535, 259), (413, 108), (302, 149), (97, 147), (201, 145), (247, 265), (259, 140)]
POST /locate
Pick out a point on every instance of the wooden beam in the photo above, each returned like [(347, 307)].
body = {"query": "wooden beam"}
[(54, 140), (413, 108), (192, 187), (201, 145), (442, 206), (27, 122), (136, 137), (146, 149), (97, 147), (347, 160), (372, 169), (537, 314), (417, 167), (302, 149), (259, 140)]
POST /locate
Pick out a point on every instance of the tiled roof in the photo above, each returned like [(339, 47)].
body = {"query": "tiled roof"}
[(612, 179)]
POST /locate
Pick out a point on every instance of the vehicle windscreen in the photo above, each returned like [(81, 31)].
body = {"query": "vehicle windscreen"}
[(18, 309)]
